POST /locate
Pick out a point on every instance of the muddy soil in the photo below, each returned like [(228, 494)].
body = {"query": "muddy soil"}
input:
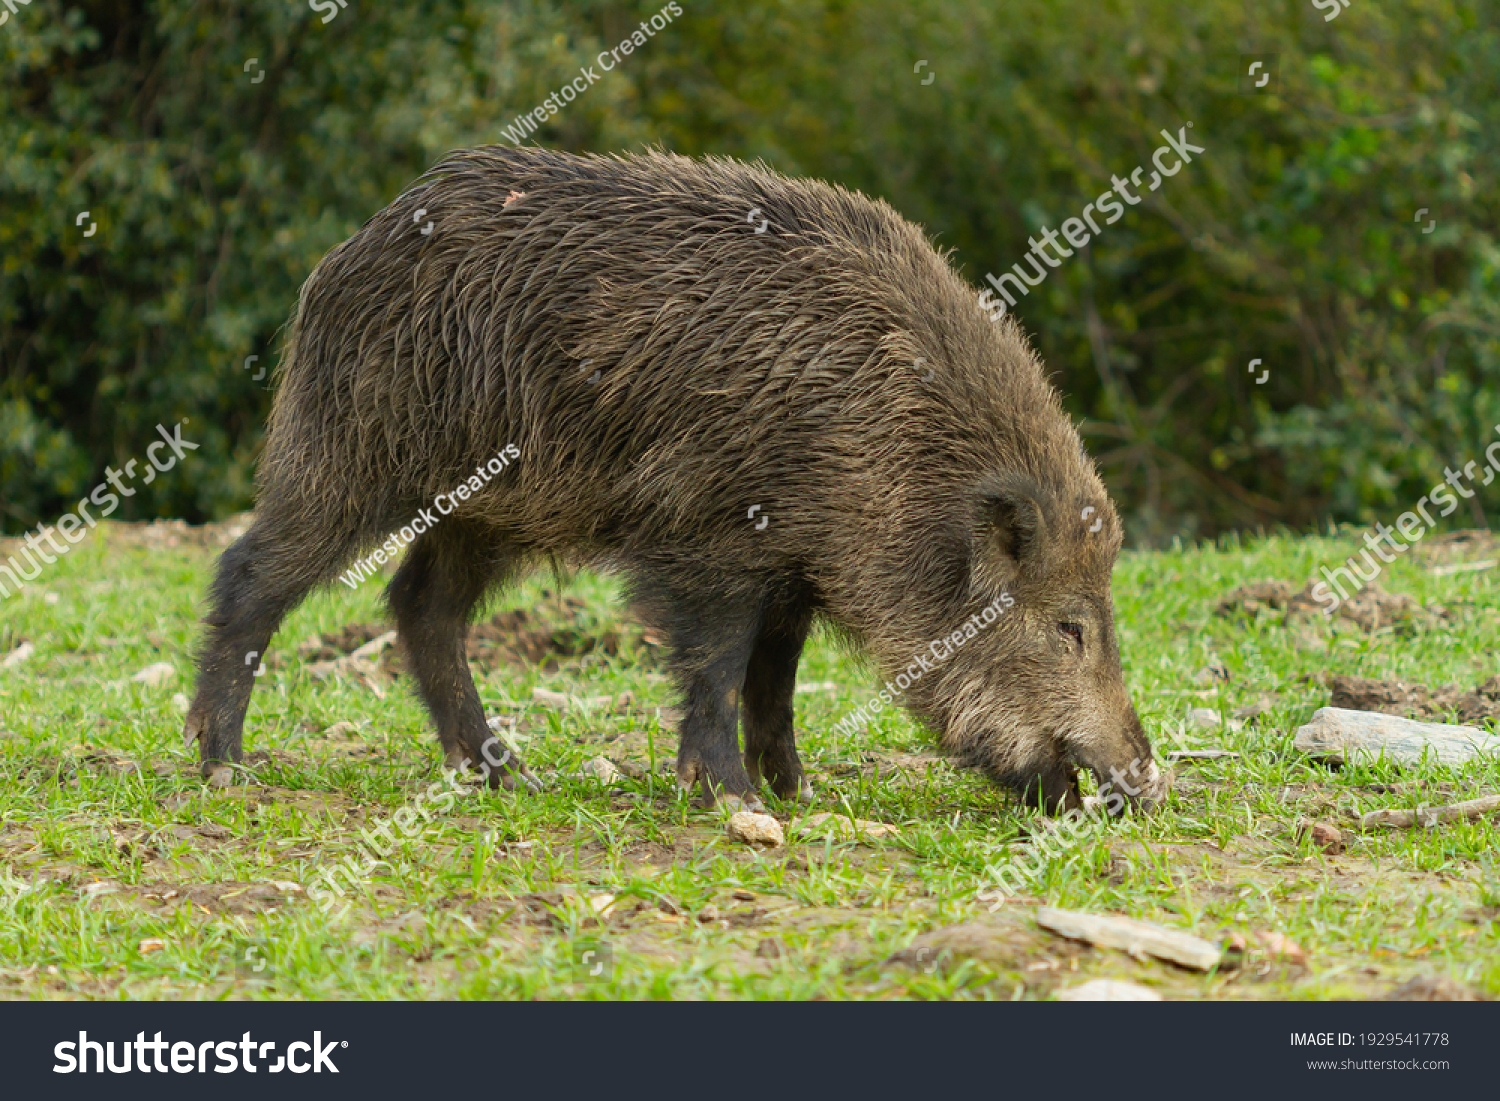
[(1418, 701), (1370, 609), (1457, 546), (553, 632)]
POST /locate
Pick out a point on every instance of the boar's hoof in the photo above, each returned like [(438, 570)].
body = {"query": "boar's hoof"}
[(507, 773), (216, 774), (523, 775), (734, 804), (735, 796), (737, 804), (789, 784)]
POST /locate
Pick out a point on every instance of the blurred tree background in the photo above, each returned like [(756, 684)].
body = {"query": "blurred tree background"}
[(217, 183)]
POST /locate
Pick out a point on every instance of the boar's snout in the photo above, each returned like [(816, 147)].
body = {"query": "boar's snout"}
[(1127, 774)]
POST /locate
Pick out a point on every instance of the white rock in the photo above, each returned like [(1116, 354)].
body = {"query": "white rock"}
[(1108, 990), (155, 675), (1339, 734), (601, 769), (756, 829), (1139, 938), (18, 655), (375, 647)]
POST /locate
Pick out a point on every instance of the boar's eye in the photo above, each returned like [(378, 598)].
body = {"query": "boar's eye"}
[(1073, 631)]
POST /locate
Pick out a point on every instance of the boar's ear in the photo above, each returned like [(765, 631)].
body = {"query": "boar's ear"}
[(1012, 515)]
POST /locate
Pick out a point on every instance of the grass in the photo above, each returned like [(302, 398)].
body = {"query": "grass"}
[(122, 877)]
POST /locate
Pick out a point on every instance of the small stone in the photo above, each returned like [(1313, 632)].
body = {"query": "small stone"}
[(152, 944), (155, 675), (709, 914), (548, 698), (756, 829), (602, 769), (1108, 990), (1212, 674), (179, 701), (18, 655), (375, 647), (1281, 946), (1326, 837)]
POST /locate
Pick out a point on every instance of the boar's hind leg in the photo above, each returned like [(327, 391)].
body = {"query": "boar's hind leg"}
[(263, 575), (770, 743), (444, 575)]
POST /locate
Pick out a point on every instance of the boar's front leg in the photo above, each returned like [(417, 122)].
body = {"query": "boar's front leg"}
[(712, 621), (770, 680)]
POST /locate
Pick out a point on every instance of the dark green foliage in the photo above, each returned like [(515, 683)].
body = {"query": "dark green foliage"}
[(1291, 240)]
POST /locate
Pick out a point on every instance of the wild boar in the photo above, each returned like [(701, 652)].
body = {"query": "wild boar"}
[(765, 401)]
